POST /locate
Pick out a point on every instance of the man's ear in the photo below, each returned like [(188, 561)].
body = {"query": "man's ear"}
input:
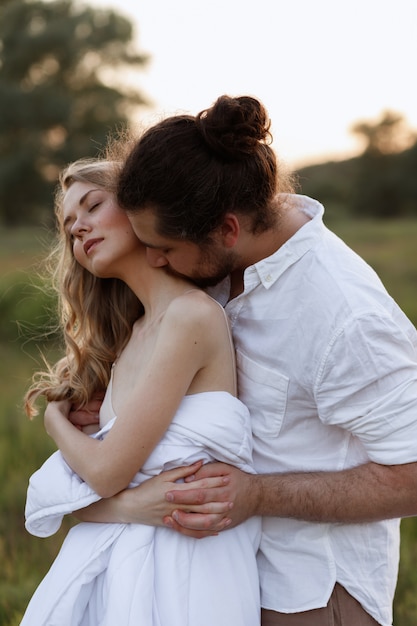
[(230, 230)]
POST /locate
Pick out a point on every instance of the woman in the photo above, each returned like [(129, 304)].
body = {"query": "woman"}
[(162, 349)]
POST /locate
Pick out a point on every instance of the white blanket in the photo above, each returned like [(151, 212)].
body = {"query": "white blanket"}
[(130, 574)]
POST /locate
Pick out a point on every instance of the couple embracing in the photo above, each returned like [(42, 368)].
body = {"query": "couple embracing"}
[(287, 497)]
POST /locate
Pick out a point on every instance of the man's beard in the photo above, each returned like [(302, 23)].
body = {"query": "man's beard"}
[(209, 281), (219, 272)]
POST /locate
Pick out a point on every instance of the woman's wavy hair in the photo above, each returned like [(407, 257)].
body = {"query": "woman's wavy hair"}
[(95, 315), (195, 169)]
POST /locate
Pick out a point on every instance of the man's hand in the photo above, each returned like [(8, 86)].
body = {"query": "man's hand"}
[(205, 507)]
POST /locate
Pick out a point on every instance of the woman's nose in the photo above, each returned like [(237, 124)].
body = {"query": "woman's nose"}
[(79, 227)]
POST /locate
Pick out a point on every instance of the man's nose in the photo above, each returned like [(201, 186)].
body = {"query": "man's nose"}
[(155, 258)]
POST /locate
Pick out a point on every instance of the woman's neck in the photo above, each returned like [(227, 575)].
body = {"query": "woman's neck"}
[(156, 289)]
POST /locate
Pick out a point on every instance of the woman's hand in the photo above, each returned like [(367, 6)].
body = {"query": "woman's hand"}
[(87, 418), (54, 412), (84, 418), (147, 504)]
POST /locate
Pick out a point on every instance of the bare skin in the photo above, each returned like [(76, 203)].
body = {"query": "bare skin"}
[(87, 418), (220, 496), (181, 344), (150, 505), (366, 493)]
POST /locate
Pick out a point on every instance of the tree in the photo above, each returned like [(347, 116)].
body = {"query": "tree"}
[(381, 188), (60, 95), (388, 135)]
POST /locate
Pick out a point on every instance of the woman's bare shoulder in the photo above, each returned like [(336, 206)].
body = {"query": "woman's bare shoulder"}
[(196, 306)]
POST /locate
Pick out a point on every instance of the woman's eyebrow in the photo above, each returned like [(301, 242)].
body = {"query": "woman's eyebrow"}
[(84, 197)]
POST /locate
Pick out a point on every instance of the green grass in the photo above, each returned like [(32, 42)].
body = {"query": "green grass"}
[(23, 447), (390, 247), (23, 444), (21, 248)]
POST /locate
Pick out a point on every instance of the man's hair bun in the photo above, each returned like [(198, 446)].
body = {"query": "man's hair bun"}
[(233, 128)]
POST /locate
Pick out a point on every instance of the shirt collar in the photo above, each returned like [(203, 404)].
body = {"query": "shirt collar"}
[(268, 270)]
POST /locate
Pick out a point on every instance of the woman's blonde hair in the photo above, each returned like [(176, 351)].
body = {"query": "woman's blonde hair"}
[(96, 315)]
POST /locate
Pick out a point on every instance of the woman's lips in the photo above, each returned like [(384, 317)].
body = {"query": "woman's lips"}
[(90, 244)]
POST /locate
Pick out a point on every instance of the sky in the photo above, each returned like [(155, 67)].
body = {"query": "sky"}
[(318, 66)]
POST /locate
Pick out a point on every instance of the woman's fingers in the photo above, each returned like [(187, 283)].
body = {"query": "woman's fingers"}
[(179, 473), (197, 525)]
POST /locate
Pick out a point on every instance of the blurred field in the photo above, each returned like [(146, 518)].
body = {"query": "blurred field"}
[(390, 247)]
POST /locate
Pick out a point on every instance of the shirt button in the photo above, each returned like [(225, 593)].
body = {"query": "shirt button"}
[(268, 278)]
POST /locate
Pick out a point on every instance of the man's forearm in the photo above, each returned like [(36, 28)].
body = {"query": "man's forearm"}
[(366, 493)]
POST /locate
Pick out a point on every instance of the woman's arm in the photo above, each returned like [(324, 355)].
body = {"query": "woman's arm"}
[(148, 504), (181, 350)]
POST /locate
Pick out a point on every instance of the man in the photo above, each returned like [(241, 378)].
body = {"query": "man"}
[(327, 364)]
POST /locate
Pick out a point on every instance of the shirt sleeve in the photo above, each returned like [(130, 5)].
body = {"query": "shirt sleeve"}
[(367, 384)]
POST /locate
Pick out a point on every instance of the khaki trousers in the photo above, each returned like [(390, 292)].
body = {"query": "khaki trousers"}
[(342, 610)]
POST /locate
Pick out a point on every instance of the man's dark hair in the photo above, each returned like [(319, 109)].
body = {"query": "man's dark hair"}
[(191, 171)]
